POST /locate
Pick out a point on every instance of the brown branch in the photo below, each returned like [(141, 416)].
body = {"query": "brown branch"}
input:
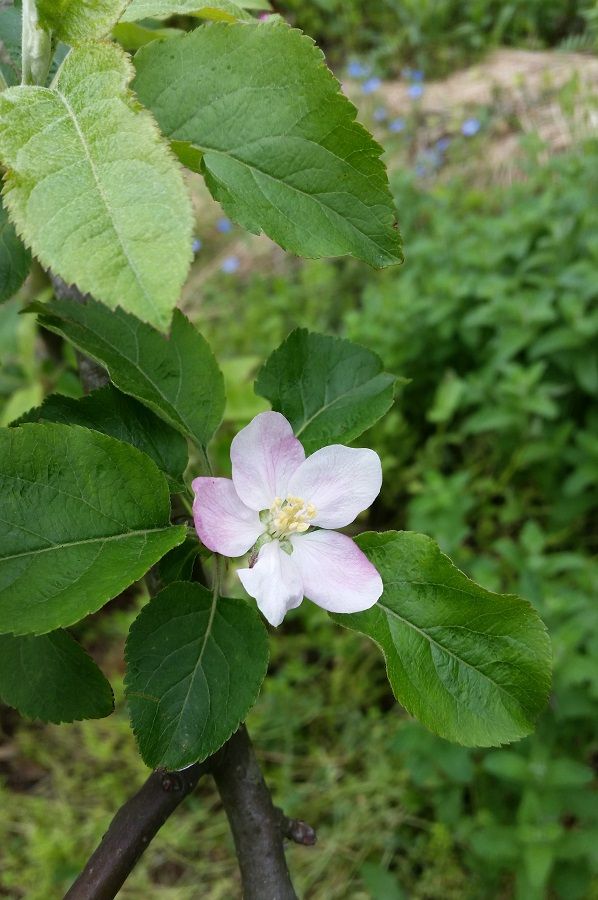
[(254, 820), (258, 827), (135, 824)]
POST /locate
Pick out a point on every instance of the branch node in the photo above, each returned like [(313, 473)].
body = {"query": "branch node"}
[(297, 830)]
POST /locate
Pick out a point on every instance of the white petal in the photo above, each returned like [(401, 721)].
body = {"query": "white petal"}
[(340, 482), (264, 455), (336, 574), (223, 522), (274, 581)]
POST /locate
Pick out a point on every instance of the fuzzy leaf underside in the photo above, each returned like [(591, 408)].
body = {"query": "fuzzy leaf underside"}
[(93, 189)]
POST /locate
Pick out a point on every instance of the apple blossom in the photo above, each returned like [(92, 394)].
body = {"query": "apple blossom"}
[(281, 506)]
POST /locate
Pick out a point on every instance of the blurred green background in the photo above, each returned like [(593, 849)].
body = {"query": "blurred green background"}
[(491, 448)]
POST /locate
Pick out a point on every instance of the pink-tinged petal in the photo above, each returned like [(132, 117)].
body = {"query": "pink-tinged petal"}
[(264, 455), (340, 482), (223, 522), (274, 582), (336, 574)]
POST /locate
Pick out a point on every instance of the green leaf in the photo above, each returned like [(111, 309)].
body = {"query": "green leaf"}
[(50, 677), (133, 36), (218, 10), (472, 666), (281, 149), (10, 44), (74, 21), (121, 417), (329, 389), (93, 189), (83, 516), (195, 667), (15, 259), (176, 376), (178, 564)]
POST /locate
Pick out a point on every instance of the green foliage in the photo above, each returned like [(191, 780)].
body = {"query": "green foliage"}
[(330, 390), (76, 21), (87, 516), (91, 187), (121, 417), (176, 376), (473, 666), (15, 259), (437, 35), (281, 149), (177, 565), (50, 677), (195, 663)]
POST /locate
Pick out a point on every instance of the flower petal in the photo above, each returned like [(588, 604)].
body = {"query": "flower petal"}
[(340, 482), (336, 574), (222, 521), (274, 581), (264, 455)]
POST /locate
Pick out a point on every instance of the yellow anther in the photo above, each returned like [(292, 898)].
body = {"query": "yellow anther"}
[(290, 516)]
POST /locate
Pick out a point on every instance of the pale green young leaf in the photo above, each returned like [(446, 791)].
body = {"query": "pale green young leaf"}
[(471, 665), (15, 259), (329, 389), (93, 189), (281, 149), (50, 677), (217, 10), (84, 516), (75, 21), (124, 418), (176, 376), (195, 665)]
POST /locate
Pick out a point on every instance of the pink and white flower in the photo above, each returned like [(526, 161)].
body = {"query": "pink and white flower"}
[(282, 505)]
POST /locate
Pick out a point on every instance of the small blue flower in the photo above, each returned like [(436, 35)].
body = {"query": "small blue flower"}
[(196, 245), (397, 125), (420, 170), (415, 91), (224, 225), (357, 69), (371, 85), (470, 127), (416, 75), (443, 143), (230, 265), (380, 114)]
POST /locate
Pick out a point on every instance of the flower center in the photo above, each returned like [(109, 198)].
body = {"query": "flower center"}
[(289, 516)]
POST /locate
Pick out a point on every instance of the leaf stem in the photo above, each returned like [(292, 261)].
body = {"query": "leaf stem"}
[(36, 46)]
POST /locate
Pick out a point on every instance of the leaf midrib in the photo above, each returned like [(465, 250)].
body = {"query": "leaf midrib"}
[(328, 210), (336, 400), (104, 199), (112, 537), (450, 653)]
